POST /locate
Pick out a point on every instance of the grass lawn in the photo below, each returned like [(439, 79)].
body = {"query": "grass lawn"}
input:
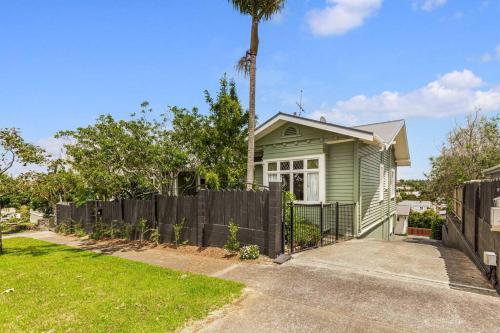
[(63, 289)]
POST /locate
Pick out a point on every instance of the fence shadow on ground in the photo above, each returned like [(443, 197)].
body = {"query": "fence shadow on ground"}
[(461, 272)]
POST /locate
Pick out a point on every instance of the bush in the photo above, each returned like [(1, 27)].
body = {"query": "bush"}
[(154, 237), (178, 230), (305, 234), (232, 243), (423, 220), (250, 252), (437, 229)]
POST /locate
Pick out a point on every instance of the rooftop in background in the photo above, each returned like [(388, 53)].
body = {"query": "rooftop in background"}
[(493, 172), (403, 210)]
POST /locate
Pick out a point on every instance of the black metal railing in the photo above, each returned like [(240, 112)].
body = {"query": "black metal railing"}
[(308, 226)]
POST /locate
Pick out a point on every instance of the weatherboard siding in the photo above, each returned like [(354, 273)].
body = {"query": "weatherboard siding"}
[(339, 163), (258, 175), (310, 141), (340, 173), (373, 210)]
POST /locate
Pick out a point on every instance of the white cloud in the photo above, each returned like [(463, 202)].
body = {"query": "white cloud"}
[(340, 16), (428, 5), (457, 92), (488, 57)]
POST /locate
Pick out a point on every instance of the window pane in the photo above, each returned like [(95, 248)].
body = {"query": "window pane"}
[(298, 165), (285, 165), (298, 186), (313, 187), (272, 166), (285, 183), (312, 164), (273, 178)]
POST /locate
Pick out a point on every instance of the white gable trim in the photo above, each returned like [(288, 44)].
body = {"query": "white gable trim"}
[(280, 119)]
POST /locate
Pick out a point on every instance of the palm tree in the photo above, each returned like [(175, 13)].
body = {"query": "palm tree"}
[(259, 10)]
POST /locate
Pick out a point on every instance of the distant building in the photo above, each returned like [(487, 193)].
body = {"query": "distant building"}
[(417, 206), (493, 172), (35, 216), (403, 212)]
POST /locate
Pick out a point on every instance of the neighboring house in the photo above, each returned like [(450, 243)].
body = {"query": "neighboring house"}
[(35, 216), (417, 206), (493, 172), (403, 213), (8, 213), (323, 162)]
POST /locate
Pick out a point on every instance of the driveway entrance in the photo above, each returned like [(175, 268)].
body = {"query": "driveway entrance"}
[(414, 259)]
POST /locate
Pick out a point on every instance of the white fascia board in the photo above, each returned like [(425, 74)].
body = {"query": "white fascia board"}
[(363, 135)]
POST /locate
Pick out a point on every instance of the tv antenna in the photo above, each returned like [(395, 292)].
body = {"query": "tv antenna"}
[(300, 104)]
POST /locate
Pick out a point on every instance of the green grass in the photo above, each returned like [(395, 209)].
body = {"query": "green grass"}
[(63, 289)]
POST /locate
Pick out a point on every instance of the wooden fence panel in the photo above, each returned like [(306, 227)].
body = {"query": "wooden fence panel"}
[(207, 216)]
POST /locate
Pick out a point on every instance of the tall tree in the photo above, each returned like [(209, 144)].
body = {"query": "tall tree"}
[(468, 151), (215, 142), (14, 149), (258, 10)]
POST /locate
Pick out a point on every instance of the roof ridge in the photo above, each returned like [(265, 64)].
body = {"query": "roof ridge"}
[(381, 122), (321, 122)]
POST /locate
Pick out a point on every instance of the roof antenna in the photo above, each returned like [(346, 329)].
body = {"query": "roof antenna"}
[(300, 105)]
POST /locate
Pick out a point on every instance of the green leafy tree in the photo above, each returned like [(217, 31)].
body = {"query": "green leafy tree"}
[(258, 10), (13, 149), (216, 142), (59, 184), (468, 151), (126, 158)]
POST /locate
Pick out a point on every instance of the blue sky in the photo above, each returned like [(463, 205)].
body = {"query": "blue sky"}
[(62, 63)]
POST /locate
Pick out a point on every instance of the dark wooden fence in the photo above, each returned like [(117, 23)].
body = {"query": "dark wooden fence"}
[(206, 215), (469, 224)]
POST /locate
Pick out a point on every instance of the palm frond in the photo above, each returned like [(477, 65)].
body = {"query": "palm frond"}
[(243, 64), (260, 9)]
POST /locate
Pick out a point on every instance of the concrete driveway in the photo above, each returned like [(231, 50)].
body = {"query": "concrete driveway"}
[(407, 285)]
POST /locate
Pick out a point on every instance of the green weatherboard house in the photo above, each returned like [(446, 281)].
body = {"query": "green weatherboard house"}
[(323, 162)]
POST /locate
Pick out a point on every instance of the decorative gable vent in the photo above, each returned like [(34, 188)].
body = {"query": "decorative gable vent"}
[(291, 131)]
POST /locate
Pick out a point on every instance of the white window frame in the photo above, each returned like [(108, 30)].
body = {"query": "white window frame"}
[(381, 182), (305, 171), (393, 183)]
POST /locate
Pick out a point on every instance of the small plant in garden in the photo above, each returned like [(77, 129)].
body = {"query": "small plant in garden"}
[(79, 232), (250, 252), (232, 244), (141, 225), (154, 237), (178, 230)]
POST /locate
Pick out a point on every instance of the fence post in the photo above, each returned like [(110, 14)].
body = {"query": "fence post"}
[(291, 228), (321, 222), (202, 218), (274, 220), (337, 221)]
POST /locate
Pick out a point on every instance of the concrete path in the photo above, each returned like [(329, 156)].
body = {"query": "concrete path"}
[(356, 286)]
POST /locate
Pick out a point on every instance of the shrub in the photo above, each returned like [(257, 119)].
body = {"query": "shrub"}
[(178, 230), (141, 228), (437, 229), (154, 237), (250, 252), (232, 243)]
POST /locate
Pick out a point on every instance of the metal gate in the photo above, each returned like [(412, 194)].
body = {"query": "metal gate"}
[(307, 226)]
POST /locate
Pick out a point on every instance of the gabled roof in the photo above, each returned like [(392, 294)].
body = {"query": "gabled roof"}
[(392, 132), (384, 134), (386, 130)]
